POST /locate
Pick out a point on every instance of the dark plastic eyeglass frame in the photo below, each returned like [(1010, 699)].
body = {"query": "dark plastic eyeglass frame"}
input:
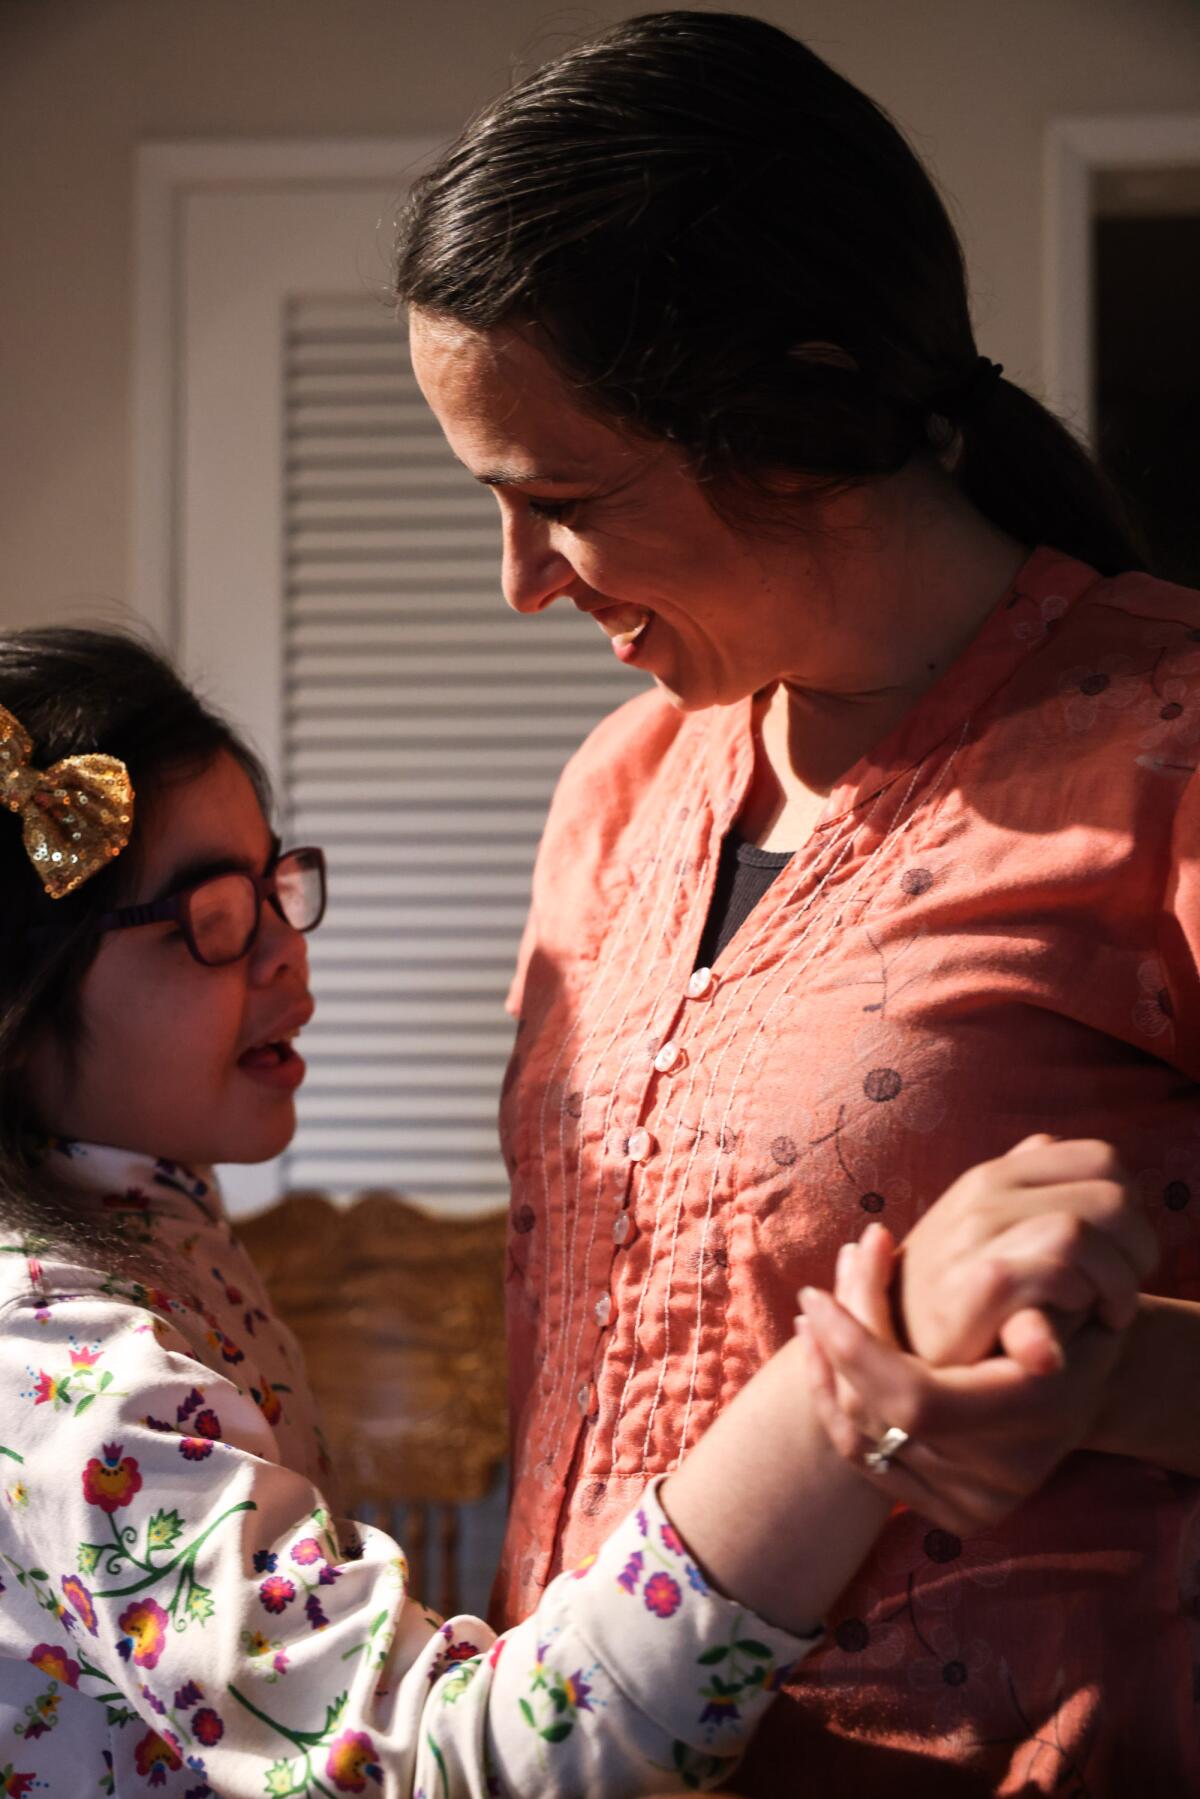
[(177, 906)]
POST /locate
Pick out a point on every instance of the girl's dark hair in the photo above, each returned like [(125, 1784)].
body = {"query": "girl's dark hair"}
[(730, 247), (76, 691)]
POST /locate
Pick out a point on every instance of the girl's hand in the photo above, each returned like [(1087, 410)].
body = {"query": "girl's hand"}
[(1049, 1225), (980, 1439)]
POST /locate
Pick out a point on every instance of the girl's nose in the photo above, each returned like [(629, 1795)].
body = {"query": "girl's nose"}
[(278, 947)]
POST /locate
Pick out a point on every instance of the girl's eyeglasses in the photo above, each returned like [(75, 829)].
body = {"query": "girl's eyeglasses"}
[(219, 917)]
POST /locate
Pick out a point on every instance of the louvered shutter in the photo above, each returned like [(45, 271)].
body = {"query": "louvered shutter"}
[(425, 726)]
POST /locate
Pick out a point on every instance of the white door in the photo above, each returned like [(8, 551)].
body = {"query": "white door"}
[(329, 575)]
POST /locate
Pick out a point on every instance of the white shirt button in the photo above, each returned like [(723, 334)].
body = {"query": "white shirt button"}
[(699, 982), (604, 1308), (621, 1227), (638, 1145), (667, 1057), (586, 1398)]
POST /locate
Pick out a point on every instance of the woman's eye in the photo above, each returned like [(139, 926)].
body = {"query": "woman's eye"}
[(558, 512)]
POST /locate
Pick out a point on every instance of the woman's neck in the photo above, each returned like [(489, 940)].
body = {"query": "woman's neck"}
[(914, 570)]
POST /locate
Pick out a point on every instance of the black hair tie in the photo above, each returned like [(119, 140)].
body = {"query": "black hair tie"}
[(966, 398)]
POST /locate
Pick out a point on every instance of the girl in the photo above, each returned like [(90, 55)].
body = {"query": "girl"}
[(180, 1607)]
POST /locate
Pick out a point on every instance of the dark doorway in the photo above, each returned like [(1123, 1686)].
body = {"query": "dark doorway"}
[(1147, 356)]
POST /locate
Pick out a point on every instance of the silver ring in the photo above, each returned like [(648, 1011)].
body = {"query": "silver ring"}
[(885, 1449)]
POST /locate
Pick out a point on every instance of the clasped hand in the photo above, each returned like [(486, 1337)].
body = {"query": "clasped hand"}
[(1015, 1291)]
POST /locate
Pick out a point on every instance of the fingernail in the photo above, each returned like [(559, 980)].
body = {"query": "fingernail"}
[(813, 1299)]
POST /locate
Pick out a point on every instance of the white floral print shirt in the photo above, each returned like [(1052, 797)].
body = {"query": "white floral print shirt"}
[(181, 1609)]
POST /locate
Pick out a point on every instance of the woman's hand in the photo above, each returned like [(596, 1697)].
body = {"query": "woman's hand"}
[(980, 1439), (1051, 1226)]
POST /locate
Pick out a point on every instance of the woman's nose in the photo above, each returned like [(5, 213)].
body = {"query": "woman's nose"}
[(533, 573)]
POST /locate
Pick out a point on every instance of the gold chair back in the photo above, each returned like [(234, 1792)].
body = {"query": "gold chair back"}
[(400, 1315)]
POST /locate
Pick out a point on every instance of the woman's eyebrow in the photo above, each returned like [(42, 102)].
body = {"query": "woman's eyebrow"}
[(204, 868)]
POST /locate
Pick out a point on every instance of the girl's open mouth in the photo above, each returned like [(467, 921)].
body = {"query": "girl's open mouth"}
[(275, 1063)]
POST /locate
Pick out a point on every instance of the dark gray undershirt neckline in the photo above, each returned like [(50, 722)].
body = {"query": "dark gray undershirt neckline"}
[(744, 873)]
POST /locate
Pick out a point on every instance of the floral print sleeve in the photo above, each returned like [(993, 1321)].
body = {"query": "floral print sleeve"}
[(181, 1612)]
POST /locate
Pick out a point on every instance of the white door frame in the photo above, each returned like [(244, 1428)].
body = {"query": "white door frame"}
[(167, 174), (1077, 149)]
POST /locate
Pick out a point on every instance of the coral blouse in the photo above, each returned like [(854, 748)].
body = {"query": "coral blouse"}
[(992, 930)]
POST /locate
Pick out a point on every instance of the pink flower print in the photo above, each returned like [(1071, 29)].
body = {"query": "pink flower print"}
[(144, 1633), (1174, 731), (112, 1481), (1095, 690), (279, 1661), (889, 1086), (351, 1756), (207, 1424), (662, 1595), (80, 1599), (948, 1560), (1153, 1012), (946, 1670), (1169, 1193), (153, 1757), (865, 1637), (631, 1573), (306, 1552), (55, 1664), (194, 1449), (50, 1390), (581, 1568), (277, 1593), (1050, 609), (84, 1358), (671, 1539), (208, 1727)]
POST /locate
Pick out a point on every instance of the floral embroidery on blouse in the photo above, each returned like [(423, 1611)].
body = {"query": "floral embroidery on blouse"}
[(177, 1594)]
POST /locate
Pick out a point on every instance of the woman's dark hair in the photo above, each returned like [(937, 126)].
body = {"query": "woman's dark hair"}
[(76, 691), (730, 247)]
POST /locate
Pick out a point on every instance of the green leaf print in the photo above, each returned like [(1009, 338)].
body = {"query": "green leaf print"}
[(88, 1557), (554, 1733), (711, 1656), (199, 1603), (87, 1400), (750, 1646), (164, 1529), (281, 1780)]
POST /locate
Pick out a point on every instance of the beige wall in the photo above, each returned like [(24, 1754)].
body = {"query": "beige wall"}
[(82, 82)]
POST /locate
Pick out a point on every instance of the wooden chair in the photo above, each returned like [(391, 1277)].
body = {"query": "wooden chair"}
[(400, 1315)]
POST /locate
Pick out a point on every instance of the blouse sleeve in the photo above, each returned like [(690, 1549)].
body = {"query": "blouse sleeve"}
[(242, 1642)]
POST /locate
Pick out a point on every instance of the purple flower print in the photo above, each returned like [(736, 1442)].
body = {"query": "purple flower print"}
[(631, 1573), (265, 1561)]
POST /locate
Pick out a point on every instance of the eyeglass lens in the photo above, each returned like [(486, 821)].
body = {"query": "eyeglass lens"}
[(223, 913)]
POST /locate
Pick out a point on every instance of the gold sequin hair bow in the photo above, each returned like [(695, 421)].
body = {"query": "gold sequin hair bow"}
[(75, 816)]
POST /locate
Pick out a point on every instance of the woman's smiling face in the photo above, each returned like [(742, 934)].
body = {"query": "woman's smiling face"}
[(165, 1061), (617, 525)]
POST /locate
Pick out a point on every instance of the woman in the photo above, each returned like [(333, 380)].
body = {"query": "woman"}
[(890, 868)]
